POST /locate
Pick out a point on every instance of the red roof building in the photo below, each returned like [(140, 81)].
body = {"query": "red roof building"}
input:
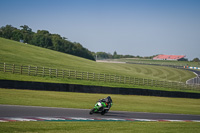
[(169, 57)]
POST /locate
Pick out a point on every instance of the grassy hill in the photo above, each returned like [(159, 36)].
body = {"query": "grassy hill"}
[(25, 54)]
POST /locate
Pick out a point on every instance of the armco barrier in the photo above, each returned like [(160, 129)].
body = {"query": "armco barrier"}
[(11, 84), (194, 67)]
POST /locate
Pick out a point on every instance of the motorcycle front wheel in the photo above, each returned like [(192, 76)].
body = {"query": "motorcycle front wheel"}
[(91, 111)]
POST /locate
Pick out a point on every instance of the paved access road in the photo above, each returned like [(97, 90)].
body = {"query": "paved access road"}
[(8, 111)]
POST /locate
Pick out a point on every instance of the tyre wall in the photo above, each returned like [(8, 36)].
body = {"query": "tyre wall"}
[(12, 84)]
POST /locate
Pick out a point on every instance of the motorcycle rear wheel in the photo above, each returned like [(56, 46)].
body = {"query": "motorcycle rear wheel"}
[(103, 112)]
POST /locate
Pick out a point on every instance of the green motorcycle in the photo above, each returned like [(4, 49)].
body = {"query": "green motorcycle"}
[(102, 106)]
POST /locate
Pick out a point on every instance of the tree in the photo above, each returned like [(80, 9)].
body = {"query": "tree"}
[(7, 31), (196, 60), (57, 42), (115, 55), (27, 33), (43, 39), (102, 55), (79, 50), (17, 35), (25, 28)]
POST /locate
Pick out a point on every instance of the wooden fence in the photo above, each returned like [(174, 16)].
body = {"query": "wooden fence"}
[(57, 73)]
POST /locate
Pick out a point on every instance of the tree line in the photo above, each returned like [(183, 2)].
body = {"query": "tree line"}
[(104, 55), (43, 38)]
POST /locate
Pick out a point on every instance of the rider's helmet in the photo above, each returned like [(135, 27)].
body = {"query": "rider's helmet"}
[(108, 99)]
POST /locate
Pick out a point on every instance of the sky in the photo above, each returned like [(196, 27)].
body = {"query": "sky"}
[(134, 27)]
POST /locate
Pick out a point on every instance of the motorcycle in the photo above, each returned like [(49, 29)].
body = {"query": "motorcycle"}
[(101, 107)]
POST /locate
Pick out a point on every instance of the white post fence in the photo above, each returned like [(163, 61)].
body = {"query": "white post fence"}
[(56, 73)]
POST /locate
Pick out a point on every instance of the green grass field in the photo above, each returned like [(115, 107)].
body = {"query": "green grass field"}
[(86, 101), (99, 127), (24, 54)]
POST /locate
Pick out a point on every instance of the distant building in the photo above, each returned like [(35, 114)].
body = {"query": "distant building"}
[(170, 57), (22, 41)]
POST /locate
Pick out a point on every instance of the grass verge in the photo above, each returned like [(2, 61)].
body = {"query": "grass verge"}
[(86, 101), (91, 127)]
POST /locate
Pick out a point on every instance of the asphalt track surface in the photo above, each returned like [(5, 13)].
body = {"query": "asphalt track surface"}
[(9, 111), (195, 80)]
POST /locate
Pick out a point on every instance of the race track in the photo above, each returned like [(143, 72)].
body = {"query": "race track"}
[(195, 80), (15, 111)]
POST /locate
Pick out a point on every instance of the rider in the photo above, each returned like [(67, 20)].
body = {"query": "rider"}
[(107, 101)]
